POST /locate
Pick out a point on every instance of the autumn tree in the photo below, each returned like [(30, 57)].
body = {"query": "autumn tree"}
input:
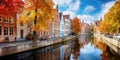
[(75, 25), (111, 22), (92, 29), (40, 12), (9, 8)]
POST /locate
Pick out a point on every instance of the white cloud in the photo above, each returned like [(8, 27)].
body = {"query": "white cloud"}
[(87, 18), (89, 9), (105, 8), (71, 7), (62, 2), (74, 6)]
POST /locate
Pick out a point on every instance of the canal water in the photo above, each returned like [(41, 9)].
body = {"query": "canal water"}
[(84, 47)]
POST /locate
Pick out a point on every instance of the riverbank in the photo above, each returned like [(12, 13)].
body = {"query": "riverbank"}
[(25, 46), (112, 41)]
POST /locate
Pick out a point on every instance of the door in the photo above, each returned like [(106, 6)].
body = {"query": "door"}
[(21, 33)]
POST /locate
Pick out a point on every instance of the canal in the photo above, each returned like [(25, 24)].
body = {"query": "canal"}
[(84, 47)]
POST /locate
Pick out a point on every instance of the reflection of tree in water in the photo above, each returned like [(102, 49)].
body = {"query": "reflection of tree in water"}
[(108, 53), (92, 39), (79, 42), (76, 49)]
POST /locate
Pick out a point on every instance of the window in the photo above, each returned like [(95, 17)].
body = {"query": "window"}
[(12, 20), (0, 30), (11, 30), (6, 20), (5, 30)]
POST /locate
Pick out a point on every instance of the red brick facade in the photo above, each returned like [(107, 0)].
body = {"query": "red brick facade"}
[(7, 29)]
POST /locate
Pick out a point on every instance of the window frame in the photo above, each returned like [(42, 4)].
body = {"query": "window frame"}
[(5, 30), (11, 31)]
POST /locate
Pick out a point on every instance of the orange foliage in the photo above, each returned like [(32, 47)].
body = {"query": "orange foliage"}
[(40, 11), (75, 24), (9, 8)]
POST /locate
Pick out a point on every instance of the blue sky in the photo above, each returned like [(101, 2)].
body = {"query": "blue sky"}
[(87, 10)]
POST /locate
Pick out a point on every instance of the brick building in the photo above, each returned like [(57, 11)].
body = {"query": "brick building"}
[(56, 23), (7, 29), (85, 27)]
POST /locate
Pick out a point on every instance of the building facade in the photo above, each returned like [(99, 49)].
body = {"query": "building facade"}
[(8, 29), (96, 31), (62, 26), (53, 28), (67, 24), (56, 23), (85, 27), (22, 29)]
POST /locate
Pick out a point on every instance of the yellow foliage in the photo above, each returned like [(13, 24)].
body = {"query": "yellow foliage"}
[(42, 9), (111, 23)]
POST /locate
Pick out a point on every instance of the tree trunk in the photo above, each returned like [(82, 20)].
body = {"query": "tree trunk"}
[(34, 32)]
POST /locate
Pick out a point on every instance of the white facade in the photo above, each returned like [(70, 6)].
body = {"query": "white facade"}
[(62, 28), (67, 24), (22, 30)]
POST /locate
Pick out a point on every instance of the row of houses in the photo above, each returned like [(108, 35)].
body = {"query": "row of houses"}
[(11, 30), (85, 27)]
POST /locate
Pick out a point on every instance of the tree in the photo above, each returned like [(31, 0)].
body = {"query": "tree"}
[(40, 11), (9, 8), (92, 29), (111, 23), (75, 25)]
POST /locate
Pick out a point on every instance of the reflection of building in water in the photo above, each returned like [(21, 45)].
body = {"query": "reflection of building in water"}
[(84, 38), (65, 51), (96, 40), (62, 52), (79, 43), (50, 55)]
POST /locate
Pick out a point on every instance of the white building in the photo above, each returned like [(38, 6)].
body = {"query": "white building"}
[(67, 24), (62, 26), (22, 29)]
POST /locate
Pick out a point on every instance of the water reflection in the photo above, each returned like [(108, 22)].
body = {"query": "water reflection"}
[(75, 49), (90, 52), (83, 47), (94, 48)]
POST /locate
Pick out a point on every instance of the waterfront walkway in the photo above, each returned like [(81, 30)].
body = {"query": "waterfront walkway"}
[(16, 47), (113, 41), (24, 42)]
